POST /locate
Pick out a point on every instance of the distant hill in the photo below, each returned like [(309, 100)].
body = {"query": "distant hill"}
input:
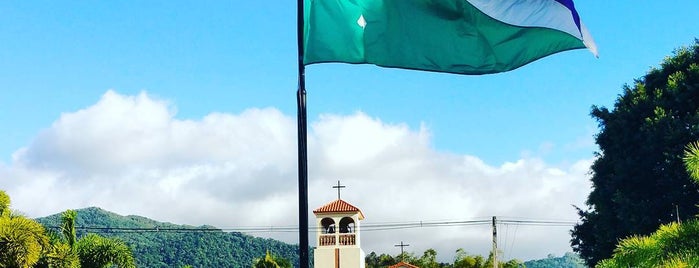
[(159, 244), (569, 260)]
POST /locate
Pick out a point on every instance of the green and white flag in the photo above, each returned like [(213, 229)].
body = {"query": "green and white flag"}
[(454, 36)]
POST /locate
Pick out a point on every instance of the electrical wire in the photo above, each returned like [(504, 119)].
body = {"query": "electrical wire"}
[(370, 227)]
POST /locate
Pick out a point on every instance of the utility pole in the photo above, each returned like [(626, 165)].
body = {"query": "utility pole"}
[(495, 243), (401, 245)]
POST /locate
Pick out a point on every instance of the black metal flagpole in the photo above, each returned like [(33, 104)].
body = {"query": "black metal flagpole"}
[(302, 139)]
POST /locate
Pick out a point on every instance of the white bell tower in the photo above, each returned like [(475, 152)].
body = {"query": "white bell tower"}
[(337, 236)]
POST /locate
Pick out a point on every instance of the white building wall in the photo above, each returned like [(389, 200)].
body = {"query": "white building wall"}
[(351, 256), (324, 257)]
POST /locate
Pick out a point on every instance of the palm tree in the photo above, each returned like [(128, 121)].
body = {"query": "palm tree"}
[(691, 160), (68, 226), (673, 245), (22, 240), (63, 256), (98, 251), (91, 251)]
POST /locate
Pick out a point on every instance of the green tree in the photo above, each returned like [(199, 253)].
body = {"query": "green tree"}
[(271, 261), (514, 263), (91, 251), (63, 256), (569, 260), (22, 240), (387, 260), (282, 262), (429, 259), (377, 261), (68, 227), (371, 260), (464, 260), (691, 160), (406, 256), (672, 245), (95, 251), (266, 262), (4, 204), (638, 176)]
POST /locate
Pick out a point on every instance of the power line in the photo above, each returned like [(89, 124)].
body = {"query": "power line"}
[(289, 229), (538, 222)]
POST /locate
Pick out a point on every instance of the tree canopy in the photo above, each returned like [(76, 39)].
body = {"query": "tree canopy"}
[(568, 260), (90, 251), (462, 259), (672, 245), (26, 243), (22, 240), (271, 261), (4, 203), (638, 178)]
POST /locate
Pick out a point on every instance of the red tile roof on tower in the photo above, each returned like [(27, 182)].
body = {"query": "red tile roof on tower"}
[(338, 205), (403, 265)]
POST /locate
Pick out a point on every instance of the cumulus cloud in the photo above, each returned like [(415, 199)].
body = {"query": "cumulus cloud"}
[(132, 155)]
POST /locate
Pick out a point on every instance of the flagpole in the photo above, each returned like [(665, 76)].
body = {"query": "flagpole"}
[(302, 142)]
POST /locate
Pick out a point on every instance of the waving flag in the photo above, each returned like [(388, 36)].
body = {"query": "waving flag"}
[(454, 36)]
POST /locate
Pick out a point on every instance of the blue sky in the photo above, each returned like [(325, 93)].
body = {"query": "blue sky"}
[(224, 56), (201, 58)]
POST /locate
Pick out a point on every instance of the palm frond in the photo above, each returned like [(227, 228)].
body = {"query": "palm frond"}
[(691, 160)]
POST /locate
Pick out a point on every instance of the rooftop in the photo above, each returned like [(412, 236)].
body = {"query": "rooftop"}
[(338, 205)]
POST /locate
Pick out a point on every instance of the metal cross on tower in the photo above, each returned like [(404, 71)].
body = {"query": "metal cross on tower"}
[(401, 245), (338, 187)]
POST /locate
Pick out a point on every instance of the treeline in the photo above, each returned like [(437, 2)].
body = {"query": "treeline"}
[(463, 259), (428, 259), (569, 260)]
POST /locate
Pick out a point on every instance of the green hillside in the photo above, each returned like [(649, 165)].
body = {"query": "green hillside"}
[(569, 260), (159, 244)]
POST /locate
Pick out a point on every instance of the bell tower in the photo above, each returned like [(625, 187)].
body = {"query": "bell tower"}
[(337, 235)]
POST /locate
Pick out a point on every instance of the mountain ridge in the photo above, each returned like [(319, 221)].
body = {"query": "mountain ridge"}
[(164, 244)]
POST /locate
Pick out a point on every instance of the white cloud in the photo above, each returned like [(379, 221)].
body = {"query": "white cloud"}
[(131, 155)]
